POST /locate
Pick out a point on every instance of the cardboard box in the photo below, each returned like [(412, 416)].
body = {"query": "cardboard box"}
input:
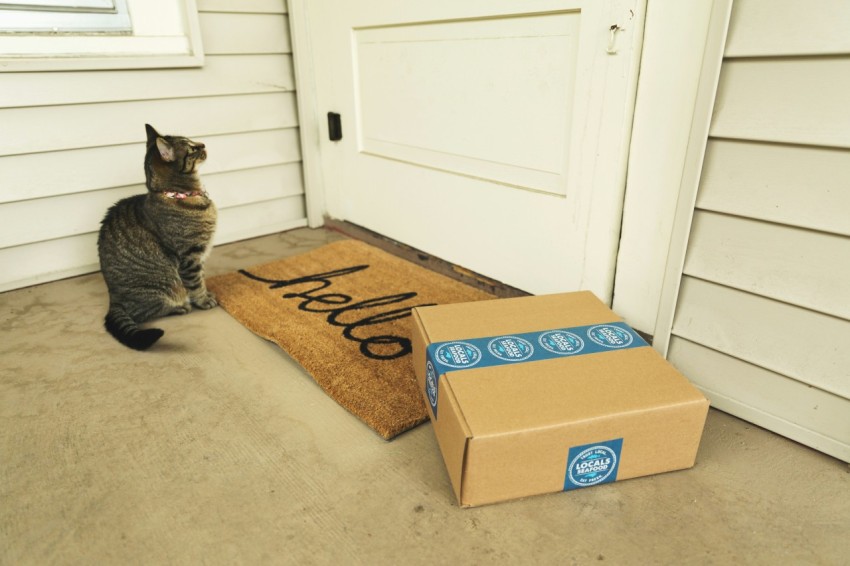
[(549, 393)]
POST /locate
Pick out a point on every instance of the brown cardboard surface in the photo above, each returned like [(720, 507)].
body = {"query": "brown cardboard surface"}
[(451, 430), (505, 316), (537, 458), (497, 399), (505, 431)]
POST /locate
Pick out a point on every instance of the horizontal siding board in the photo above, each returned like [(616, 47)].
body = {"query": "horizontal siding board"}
[(798, 101), (39, 175), (37, 220), (227, 34), (798, 343), (793, 265), (795, 185), (771, 28), (55, 128), (249, 6), (47, 261), (238, 188), (788, 407), (220, 75), (258, 219), (251, 149)]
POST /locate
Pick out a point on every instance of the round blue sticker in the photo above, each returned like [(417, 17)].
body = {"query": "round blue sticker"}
[(561, 342), (510, 348), (458, 355), (592, 466), (610, 336)]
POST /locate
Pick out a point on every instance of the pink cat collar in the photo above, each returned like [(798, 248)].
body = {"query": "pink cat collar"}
[(180, 196)]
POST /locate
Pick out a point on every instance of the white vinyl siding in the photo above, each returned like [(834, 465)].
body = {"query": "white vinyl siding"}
[(73, 142), (762, 322)]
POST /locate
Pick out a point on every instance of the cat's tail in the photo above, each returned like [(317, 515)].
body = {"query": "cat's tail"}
[(119, 323)]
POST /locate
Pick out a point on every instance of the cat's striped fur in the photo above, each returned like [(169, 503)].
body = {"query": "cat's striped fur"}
[(152, 246)]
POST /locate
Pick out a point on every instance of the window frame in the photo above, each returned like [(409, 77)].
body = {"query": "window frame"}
[(163, 34), (65, 16)]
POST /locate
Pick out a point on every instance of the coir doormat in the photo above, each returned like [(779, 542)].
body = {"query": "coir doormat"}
[(342, 312)]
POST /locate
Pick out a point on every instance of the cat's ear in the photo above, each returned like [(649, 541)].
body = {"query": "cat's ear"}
[(152, 134), (165, 149)]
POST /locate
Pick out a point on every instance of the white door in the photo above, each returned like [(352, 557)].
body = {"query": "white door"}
[(489, 133)]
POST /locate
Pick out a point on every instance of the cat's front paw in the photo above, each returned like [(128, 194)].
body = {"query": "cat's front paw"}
[(206, 302), (185, 308)]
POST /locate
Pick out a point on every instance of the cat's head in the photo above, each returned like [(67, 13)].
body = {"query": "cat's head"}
[(180, 155)]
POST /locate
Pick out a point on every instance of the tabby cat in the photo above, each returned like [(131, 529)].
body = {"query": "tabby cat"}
[(152, 246)]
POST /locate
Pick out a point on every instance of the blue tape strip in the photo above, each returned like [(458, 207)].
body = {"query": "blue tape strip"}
[(459, 355)]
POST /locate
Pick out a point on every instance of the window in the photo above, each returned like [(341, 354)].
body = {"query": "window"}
[(65, 16), (59, 35)]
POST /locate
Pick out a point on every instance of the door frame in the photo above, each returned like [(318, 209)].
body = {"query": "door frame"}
[(684, 40), (681, 39)]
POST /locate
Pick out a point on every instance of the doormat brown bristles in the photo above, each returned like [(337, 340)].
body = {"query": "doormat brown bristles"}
[(342, 312)]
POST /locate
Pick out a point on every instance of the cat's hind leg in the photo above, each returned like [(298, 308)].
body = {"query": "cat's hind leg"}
[(150, 303), (176, 302)]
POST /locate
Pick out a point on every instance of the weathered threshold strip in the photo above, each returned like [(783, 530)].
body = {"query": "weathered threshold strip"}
[(424, 260)]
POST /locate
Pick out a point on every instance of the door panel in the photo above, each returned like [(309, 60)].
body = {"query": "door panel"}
[(417, 82), (491, 134)]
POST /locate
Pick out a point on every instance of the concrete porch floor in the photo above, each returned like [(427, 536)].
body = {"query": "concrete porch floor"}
[(214, 447)]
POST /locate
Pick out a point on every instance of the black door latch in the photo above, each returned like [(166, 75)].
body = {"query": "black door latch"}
[(334, 126)]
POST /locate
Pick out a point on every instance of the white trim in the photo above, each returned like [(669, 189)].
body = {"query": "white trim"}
[(691, 172), (680, 45), (308, 118)]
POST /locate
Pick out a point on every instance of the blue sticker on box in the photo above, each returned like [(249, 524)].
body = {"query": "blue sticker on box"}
[(442, 357), (561, 342), (457, 355), (593, 464), (510, 348)]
